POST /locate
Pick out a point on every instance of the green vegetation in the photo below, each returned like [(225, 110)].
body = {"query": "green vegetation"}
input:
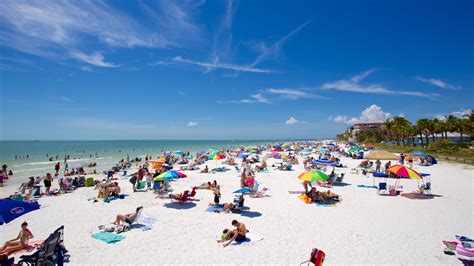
[(432, 133)]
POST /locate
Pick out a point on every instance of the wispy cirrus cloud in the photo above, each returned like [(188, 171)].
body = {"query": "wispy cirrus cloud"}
[(353, 84), (294, 94), (96, 59), (253, 98), (240, 68), (59, 30), (62, 99), (438, 83), (273, 51)]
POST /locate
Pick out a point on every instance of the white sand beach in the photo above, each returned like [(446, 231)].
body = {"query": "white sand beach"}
[(365, 228)]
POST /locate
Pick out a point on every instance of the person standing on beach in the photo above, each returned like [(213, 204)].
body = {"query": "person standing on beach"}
[(4, 168), (57, 167), (47, 183), (377, 166)]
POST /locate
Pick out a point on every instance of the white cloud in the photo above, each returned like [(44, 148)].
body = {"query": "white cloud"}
[(371, 114), (192, 124), (96, 59), (459, 114), (256, 98), (215, 64), (54, 29), (438, 83), (292, 121), (353, 85), (294, 94), (274, 50), (62, 99)]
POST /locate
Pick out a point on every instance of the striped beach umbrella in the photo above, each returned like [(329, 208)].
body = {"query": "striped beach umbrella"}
[(403, 171), (313, 176)]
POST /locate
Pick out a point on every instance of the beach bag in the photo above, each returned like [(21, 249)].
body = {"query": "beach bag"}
[(317, 257), (133, 180)]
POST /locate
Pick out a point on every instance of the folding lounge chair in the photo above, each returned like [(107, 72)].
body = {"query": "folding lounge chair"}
[(90, 182), (316, 258), (382, 187), (340, 178), (128, 223), (184, 198), (193, 193), (51, 252)]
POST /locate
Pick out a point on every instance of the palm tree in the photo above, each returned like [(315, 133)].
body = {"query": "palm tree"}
[(388, 126), (423, 125), (462, 126), (400, 125), (451, 124)]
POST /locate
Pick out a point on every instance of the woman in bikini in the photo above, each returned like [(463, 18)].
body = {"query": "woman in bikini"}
[(128, 218)]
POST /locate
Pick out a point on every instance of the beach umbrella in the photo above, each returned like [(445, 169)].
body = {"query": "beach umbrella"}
[(12, 209), (324, 150), (216, 156), (171, 174), (242, 155), (325, 162), (179, 152), (313, 176), (243, 190), (403, 171), (308, 150), (381, 155)]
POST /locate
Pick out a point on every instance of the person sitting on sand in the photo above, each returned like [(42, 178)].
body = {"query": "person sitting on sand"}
[(205, 170), (170, 196), (262, 167), (239, 234), (128, 218), (20, 242), (27, 185), (217, 195)]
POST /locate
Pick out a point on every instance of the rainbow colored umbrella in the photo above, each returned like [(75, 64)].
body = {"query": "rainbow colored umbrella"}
[(313, 176), (171, 174), (216, 156), (404, 171)]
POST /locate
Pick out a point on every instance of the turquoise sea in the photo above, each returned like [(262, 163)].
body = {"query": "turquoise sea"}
[(32, 157)]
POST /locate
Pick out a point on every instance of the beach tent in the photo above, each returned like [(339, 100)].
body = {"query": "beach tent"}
[(12, 209), (381, 155), (433, 160)]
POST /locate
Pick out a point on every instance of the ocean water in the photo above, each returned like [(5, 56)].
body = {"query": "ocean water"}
[(105, 152)]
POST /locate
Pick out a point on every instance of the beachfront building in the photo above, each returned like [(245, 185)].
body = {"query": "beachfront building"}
[(358, 127)]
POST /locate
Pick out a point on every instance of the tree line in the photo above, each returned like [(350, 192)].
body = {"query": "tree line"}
[(405, 133)]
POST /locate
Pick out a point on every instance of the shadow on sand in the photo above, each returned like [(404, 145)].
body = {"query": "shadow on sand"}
[(178, 206)]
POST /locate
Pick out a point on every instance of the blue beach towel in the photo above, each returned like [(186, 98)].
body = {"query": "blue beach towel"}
[(108, 237), (365, 186), (219, 207)]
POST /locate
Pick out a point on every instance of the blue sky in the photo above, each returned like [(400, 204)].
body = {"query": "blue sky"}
[(228, 69)]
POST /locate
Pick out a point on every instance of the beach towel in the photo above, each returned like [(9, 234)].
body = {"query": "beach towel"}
[(251, 238), (325, 204), (17, 250), (215, 208), (108, 237), (365, 186), (305, 198), (145, 222)]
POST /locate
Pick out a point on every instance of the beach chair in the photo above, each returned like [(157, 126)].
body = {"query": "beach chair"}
[(428, 188), (90, 182), (316, 258), (193, 193), (340, 178), (184, 198), (382, 187), (50, 252)]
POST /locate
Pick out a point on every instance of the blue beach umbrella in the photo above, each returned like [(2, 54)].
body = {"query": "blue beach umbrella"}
[(12, 209), (243, 190), (325, 162), (419, 153)]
